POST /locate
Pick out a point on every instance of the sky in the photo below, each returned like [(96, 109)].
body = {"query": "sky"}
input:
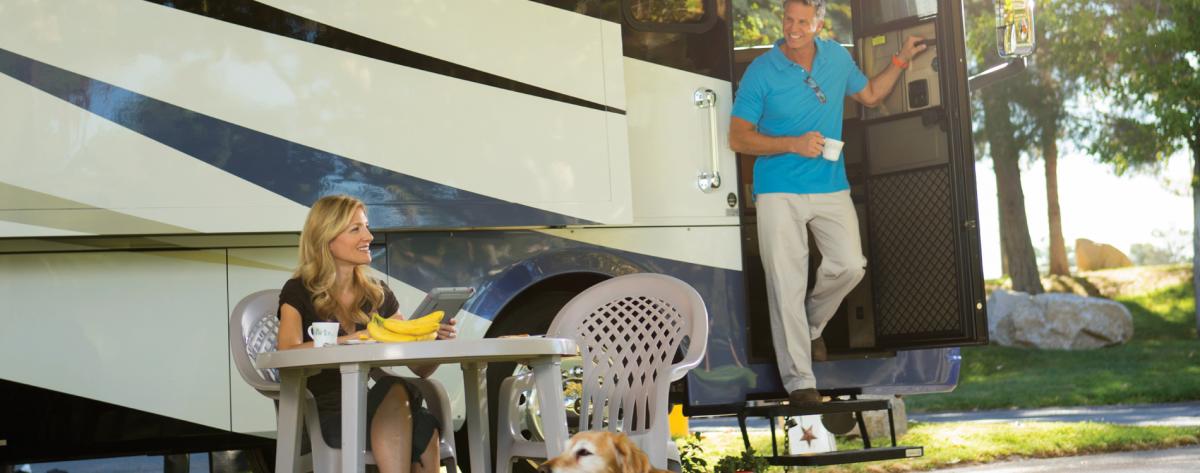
[(1095, 203)]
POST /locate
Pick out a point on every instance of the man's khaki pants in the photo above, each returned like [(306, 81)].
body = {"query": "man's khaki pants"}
[(783, 242)]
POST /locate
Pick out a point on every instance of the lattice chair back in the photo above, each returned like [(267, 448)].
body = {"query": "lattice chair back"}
[(629, 330), (253, 329)]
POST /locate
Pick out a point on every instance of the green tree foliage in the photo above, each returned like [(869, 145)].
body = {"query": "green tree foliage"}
[(1141, 59)]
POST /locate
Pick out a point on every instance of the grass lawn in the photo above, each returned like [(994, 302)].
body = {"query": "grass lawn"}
[(1160, 364), (959, 444)]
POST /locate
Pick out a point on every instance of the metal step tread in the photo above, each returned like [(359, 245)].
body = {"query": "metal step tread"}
[(831, 407), (847, 456)]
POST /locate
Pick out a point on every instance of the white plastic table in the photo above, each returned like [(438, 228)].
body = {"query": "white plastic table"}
[(355, 361)]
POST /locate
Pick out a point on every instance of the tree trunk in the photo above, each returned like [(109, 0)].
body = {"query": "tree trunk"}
[(1000, 219), (1058, 249), (1014, 236), (1195, 145)]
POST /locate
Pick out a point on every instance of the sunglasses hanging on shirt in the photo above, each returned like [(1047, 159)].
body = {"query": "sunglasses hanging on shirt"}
[(812, 84)]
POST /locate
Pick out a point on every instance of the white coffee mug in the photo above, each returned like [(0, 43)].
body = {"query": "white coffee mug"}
[(323, 333), (833, 149)]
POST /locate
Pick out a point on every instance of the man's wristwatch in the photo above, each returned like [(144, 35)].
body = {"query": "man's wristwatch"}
[(896, 61)]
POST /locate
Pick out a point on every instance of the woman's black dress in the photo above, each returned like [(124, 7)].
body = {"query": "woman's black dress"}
[(326, 385)]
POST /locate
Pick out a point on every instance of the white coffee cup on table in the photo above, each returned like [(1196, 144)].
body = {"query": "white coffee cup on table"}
[(323, 333), (833, 149)]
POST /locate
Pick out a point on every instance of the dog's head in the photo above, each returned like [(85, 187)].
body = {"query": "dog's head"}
[(599, 452)]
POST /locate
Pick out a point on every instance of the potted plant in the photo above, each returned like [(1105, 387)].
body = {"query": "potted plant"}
[(748, 462)]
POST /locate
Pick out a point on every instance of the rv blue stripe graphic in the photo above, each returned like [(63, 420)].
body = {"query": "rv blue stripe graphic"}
[(297, 172), (272, 20)]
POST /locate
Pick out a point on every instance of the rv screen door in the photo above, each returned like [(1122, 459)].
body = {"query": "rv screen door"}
[(923, 250)]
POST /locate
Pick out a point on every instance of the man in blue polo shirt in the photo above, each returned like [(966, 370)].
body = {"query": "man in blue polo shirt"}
[(788, 102)]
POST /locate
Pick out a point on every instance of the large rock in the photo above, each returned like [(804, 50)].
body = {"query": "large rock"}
[(1057, 321), (1001, 307), (1090, 255)]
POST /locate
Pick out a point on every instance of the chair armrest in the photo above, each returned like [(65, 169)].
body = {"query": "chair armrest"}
[(697, 343), (510, 389), (694, 356), (680, 370)]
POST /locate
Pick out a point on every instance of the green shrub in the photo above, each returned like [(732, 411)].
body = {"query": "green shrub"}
[(748, 461), (691, 455)]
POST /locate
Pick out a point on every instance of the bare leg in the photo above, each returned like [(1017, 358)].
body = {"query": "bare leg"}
[(430, 461), (391, 432)]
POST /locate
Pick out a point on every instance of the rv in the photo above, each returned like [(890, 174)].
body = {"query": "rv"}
[(159, 158)]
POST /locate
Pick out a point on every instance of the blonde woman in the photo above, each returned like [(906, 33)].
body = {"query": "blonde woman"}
[(332, 285)]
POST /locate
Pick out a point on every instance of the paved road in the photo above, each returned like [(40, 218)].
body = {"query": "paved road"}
[(1177, 460), (1176, 414)]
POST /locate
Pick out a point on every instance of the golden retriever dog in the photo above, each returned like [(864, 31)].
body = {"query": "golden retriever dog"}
[(599, 452)]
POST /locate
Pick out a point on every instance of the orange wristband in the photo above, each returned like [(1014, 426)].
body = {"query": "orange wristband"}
[(896, 61)]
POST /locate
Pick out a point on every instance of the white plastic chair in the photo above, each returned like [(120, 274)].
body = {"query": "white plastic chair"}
[(628, 329), (253, 329)]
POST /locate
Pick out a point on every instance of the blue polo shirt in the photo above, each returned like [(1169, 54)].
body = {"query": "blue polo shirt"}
[(774, 97)]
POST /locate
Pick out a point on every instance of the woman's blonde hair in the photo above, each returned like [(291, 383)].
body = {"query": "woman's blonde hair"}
[(327, 219)]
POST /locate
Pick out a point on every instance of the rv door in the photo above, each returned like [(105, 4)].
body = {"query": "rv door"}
[(925, 274)]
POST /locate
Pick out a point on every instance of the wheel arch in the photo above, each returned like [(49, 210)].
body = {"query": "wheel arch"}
[(538, 283)]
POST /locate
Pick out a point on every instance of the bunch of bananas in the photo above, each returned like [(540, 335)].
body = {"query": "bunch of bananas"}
[(392, 330)]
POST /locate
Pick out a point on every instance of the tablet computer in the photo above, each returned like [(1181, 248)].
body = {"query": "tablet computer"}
[(449, 300)]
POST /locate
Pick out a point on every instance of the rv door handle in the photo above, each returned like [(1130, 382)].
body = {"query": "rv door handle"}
[(710, 180)]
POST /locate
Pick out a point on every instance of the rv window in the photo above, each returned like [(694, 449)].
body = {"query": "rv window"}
[(759, 22), (667, 11), (883, 11)]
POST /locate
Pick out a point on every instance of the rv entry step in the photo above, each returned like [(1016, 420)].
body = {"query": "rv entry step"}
[(852, 406)]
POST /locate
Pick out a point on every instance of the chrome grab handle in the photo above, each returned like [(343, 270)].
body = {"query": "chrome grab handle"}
[(709, 181)]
